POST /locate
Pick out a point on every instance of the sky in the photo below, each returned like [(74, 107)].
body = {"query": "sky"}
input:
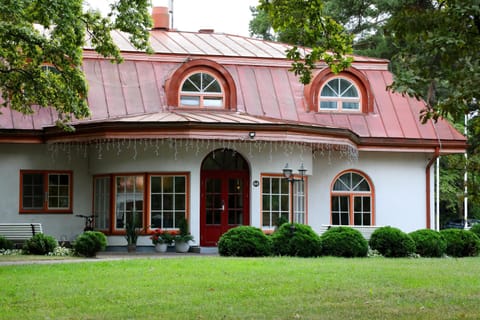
[(224, 16)]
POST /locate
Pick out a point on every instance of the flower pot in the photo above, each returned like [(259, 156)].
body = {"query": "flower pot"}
[(161, 247), (182, 246)]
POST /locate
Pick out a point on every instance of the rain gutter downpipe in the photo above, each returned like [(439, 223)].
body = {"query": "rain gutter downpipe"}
[(428, 177)]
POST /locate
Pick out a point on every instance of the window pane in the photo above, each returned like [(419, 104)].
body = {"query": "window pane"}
[(190, 101), (213, 101), (347, 89), (328, 92), (168, 184), (210, 84), (58, 191), (32, 191), (156, 184), (180, 184), (329, 105), (193, 83), (350, 105)]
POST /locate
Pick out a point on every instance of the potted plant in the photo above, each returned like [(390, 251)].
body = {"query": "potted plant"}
[(132, 231), (161, 239), (183, 238)]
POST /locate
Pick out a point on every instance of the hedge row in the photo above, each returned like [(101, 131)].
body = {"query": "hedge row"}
[(299, 240)]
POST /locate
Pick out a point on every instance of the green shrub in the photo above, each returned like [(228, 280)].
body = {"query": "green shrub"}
[(344, 242), (5, 243), (476, 229), (40, 244), (429, 243), (89, 243), (296, 240), (461, 243), (244, 241), (392, 242)]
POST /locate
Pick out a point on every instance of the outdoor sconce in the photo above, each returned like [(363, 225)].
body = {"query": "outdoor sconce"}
[(288, 173), (252, 134)]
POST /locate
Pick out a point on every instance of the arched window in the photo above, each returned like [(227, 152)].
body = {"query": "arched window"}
[(339, 94), (201, 83), (352, 200), (201, 89)]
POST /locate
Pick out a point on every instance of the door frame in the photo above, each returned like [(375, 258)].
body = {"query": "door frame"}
[(225, 175)]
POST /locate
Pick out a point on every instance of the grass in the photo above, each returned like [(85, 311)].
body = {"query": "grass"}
[(240, 288)]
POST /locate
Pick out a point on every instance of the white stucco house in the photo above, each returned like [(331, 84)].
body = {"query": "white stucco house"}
[(203, 129)]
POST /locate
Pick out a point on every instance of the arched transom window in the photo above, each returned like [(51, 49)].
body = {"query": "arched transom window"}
[(352, 200), (339, 94), (201, 89)]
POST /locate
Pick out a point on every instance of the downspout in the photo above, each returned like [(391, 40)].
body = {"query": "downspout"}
[(428, 191)]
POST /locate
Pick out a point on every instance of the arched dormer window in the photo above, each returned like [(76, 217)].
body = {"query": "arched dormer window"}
[(201, 83), (201, 89), (339, 94), (349, 91), (352, 200)]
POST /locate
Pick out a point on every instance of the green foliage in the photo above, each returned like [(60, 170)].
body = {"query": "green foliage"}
[(344, 242), (443, 35), (429, 243), (293, 239), (36, 34), (244, 241), (184, 231), (162, 236), (313, 28), (461, 243), (476, 229), (89, 243), (133, 227), (40, 244), (5, 243), (392, 242)]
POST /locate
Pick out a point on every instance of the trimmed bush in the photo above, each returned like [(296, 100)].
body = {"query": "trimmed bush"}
[(5, 243), (429, 243), (461, 243), (392, 242), (297, 240), (476, 229), (344, 242), (89, 243), (40, 244), (244, 241)]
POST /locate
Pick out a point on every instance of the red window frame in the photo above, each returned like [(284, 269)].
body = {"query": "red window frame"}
[(45, 191)]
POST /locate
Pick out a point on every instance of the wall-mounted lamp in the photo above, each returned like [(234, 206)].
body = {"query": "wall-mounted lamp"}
[(287, 173), (252, 134)]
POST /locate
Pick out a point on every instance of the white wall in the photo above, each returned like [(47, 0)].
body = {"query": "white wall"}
[(398, 178), (399, 184), (16, 157)]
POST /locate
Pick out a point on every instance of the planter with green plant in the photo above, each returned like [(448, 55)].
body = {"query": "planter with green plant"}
[(161, 239), (183, 238), (132, 231)]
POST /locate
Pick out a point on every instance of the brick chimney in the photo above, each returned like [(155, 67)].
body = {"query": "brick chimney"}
[(161, 18)]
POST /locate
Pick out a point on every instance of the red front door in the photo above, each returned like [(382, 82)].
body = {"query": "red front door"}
[(224, 203)]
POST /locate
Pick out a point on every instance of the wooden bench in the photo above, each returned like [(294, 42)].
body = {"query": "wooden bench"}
[(19, 232), (366, 231)]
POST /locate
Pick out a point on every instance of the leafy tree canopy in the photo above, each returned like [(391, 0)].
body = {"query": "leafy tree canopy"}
[(433, 44), (41, 45), (308, 25)]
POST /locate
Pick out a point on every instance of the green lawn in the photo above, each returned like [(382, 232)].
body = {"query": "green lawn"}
[(241, 288)]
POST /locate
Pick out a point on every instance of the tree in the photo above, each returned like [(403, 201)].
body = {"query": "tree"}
[(41, 48), (309, 26), (436, 43)]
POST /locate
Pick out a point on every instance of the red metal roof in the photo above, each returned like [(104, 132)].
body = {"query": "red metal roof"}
[(267, 93)]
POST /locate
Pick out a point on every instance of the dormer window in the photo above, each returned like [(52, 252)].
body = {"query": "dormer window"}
[(339, 94), (201, 89)]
